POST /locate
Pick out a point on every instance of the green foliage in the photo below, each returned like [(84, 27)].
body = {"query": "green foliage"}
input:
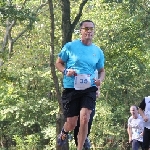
[(29, 143), (16, 12), (28, 99), (13, 13), (26, 105)]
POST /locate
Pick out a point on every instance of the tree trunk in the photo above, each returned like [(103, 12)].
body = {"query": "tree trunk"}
[(60, 116), (67, 30)]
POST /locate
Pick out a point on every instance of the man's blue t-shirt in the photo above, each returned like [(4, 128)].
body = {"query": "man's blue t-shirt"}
[(83, 59)]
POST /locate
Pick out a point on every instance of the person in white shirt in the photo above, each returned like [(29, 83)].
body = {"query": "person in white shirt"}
[(135, 128), (144, 110)]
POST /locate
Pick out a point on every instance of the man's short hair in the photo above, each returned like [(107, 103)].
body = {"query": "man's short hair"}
[(135, 106), (86, 21)]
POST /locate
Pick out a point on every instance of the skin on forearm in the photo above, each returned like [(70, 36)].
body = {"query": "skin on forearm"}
[(129, 130), (145, 118), (59, 65), (101, 74), (141, 112)]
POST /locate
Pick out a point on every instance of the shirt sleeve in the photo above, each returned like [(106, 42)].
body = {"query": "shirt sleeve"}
[(129, 122), (142, 104), (64, 54)]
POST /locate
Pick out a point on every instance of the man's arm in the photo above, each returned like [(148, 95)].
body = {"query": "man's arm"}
[(101, 77), (101, 74), (141, 112), (129, 130), (60, 64)]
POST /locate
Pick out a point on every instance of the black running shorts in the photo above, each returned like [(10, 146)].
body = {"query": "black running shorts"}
[(73, 100)]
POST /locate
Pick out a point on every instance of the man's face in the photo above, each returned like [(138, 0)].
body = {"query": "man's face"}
[(87, 31), (133, 111)]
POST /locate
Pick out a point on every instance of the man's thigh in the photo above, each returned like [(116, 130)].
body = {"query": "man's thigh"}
[(71, 106)]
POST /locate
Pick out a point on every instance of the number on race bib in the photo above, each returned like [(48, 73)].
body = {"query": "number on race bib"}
[(82, 81)]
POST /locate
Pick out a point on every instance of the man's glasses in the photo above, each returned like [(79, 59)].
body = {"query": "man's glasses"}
[(88, 28)]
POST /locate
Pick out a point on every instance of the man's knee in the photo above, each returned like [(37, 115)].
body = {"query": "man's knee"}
[(84, 119), (71, 123), (71, 127)]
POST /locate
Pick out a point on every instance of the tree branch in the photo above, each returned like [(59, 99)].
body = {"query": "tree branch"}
[(52, 66), (40, 7), (9, 27), (7, 33), (78, 16), (26, 29)]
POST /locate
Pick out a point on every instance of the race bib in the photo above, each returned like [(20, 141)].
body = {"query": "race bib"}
[(82, 82)]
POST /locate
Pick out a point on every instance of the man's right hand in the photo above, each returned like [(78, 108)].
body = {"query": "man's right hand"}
[(70, 72), (145, 118)]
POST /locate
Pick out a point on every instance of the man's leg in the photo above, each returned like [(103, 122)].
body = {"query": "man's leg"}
[(76, 130), (90, 121), (71, 108), (83, 129), (135, 145), (68, 126)]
